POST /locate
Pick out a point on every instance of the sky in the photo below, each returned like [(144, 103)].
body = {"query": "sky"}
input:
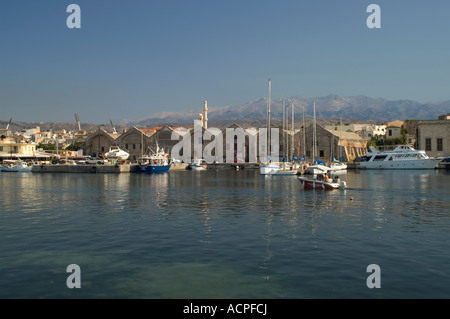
[(133, 58)]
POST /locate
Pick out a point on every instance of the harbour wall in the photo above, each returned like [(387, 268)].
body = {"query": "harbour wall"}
[(131, 168)]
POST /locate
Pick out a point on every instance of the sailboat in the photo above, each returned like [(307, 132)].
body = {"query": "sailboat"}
[(318, 166), (336, 165), (287, 167), (270, 167)]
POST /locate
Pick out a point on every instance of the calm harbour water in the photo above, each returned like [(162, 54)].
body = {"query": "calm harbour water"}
[(224, 234)]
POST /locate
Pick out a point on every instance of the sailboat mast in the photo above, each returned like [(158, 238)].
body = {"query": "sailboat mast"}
[(293, 131), (314, 133), (304, 130), (340, 140), (268, 122), (284, 128)]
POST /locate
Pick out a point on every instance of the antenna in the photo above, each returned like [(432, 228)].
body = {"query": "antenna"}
[(113, 127), (77, 118), (9, 123)]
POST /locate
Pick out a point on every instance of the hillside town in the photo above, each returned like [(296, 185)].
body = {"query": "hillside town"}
[(345, 140)]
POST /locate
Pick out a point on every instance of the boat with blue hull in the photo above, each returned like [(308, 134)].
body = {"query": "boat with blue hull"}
[(158, 162)]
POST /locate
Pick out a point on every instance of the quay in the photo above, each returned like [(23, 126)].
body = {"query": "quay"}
[(232, 166), (93, 169), (444, 165), (61, 168), (132, 168)]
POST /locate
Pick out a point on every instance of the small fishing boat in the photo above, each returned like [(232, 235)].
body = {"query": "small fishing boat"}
[(116, 153), (158, 162), (16, 166), (317, 183)]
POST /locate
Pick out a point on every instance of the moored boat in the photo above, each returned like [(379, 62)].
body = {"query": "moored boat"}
[(16, 166), (317, 169), (338, 166), (269, 168), (158, 162), (402, 157), (116, 153), (197, 165), (287, 169)]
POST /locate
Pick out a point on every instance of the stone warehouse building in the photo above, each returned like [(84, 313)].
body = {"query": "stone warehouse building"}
[(143, 141), (330, 143), (134, 141), (235, 147)]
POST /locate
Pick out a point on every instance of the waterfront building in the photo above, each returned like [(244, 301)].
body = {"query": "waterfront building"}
[(99, 142), (366, 131), (330, 143), (433, 136), (15, 147), (135, 141)]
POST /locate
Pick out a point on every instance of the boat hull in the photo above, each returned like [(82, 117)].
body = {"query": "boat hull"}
[(429, 163), (338, 166), (285, 172), (20, 167), (268, 170), (316, 184), (198, 167), (154, 168)]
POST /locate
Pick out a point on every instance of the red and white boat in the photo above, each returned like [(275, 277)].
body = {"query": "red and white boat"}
[(321, 184)]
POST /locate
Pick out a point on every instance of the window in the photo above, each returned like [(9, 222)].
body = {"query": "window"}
[(380, 157), (126, 146), (428, 144), (321, 153), (390, 132), (1, 148), (134, 146), (439, 145)]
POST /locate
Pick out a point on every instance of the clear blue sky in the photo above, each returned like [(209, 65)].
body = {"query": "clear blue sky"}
[(134, 58)]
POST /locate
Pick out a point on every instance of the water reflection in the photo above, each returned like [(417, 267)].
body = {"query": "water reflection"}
[(265, 230)]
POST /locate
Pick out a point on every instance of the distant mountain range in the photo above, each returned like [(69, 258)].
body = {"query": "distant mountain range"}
[(327, 107)]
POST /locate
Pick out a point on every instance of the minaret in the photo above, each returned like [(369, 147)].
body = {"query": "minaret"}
[(205, 117)]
